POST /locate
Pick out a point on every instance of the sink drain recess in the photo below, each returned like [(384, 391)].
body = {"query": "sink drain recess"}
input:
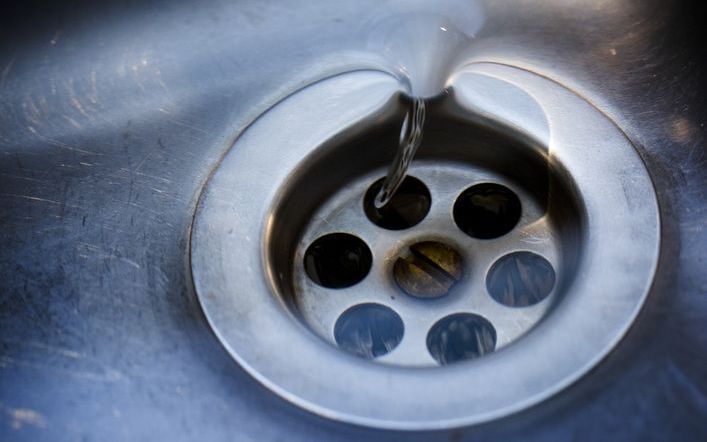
[(525, 213)]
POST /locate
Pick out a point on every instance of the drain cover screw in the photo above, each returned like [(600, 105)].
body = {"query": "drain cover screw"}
[(429, 270)]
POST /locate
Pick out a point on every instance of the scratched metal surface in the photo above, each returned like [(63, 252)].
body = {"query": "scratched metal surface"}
[(112, 115)]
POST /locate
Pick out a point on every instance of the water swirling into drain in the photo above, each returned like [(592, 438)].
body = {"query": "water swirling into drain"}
[(410, 139), (425, 42)]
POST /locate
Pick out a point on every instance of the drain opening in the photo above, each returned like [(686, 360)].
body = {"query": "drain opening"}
[(520, 279), (429, 269), (368, 330), (408, 206), (337, 260), (429, 252), (487, 211), (459, 337)]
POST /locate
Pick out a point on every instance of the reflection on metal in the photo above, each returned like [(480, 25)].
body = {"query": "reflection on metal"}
[(368, 330), (526, 178), (460, 337), (520, 279)]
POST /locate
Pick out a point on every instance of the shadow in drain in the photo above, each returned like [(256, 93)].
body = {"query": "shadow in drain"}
[(460, 337), (487, 211), (406, 208), (337, 260)]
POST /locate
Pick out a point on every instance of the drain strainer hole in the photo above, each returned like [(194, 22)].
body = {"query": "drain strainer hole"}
[(368, 330), (337, 260), (487, 210), (459, 337), (520, 279), (407, 208)]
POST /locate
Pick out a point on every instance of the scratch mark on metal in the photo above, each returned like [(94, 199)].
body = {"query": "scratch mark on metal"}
[(154, 177), (44, 200), (22, 177), (101, 253), (183, 124), (55, 38), (74, 101), (72, 121), (59, 144), (6, 71), (107, 376), (20, 417), (54, 349), (93, 96), (698, 396)]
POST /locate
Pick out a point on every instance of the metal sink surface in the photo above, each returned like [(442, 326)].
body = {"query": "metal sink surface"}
[(114, 114)]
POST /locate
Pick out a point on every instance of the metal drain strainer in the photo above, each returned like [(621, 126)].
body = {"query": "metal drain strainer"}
[(522, 248), (403, 275)]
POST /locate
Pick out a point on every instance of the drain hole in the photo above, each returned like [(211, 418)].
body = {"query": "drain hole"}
[(337, 260), (459, 337), (487, 211), (408, 206), (368, 330), (520, 279)]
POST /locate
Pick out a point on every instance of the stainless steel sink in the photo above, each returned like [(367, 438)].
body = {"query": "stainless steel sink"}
[(114, 116)]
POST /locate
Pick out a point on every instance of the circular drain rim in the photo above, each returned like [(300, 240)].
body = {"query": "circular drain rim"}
[(242, 311)]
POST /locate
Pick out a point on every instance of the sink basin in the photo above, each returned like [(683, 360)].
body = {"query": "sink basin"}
[(114, 116)]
